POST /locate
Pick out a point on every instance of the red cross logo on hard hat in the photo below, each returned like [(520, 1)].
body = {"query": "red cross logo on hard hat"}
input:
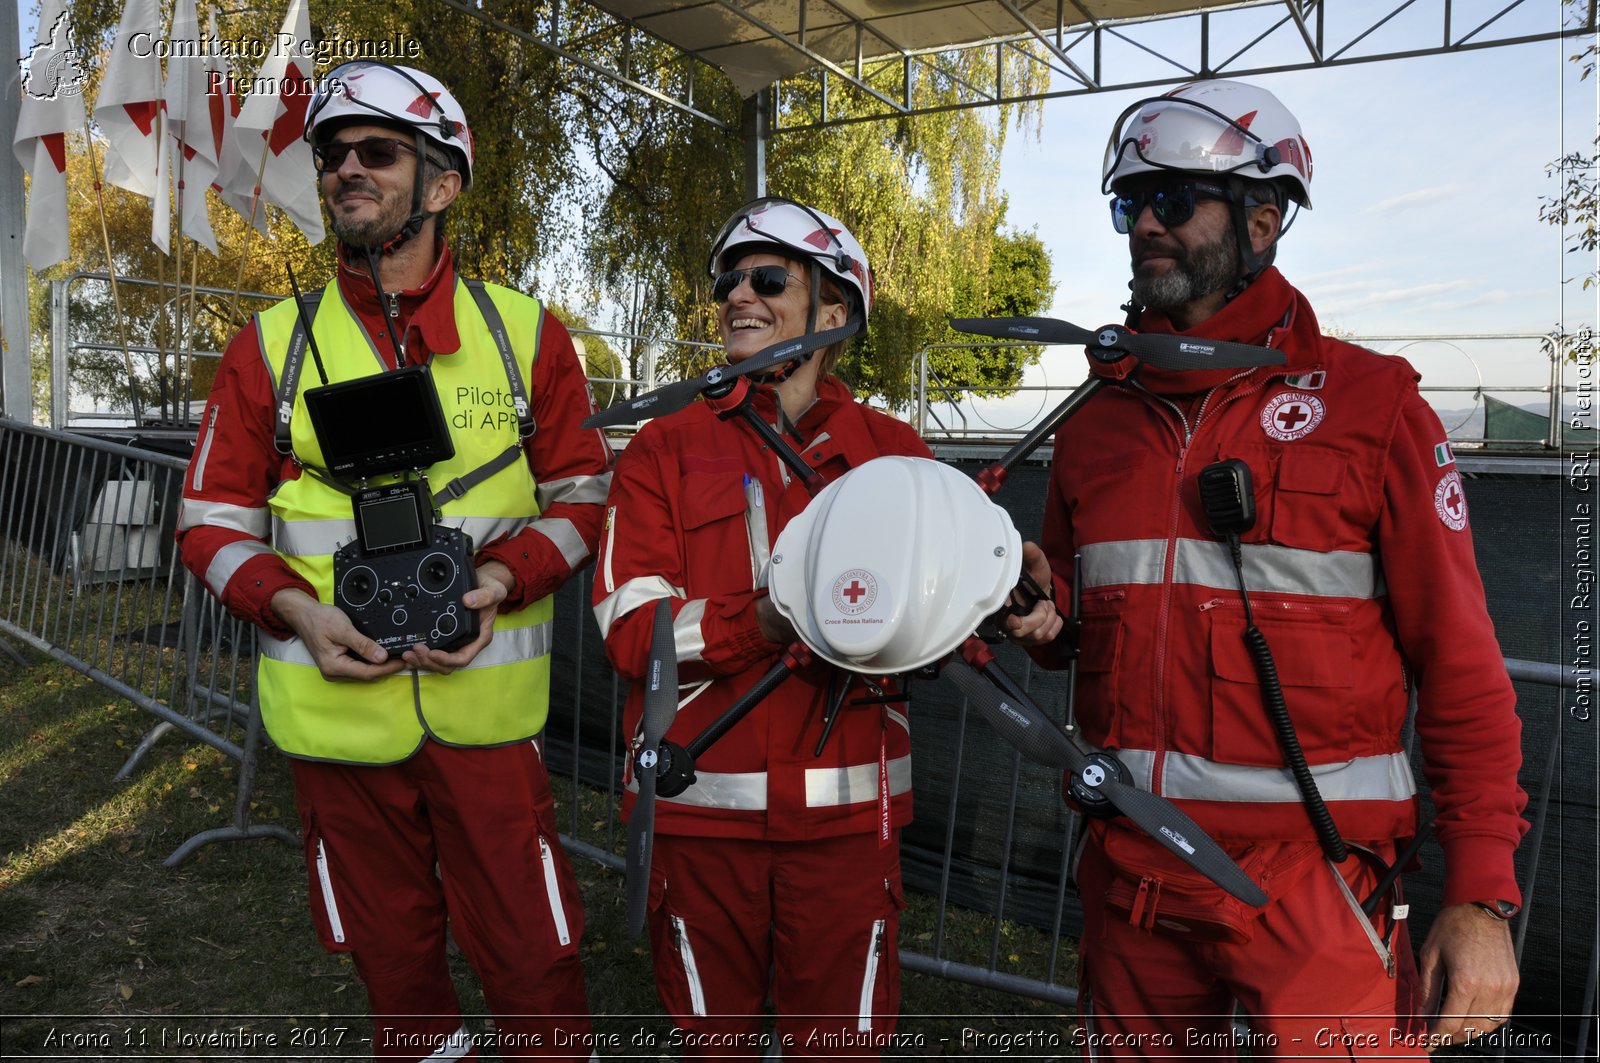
[(1292, 416), (1450, 502), (855, 591)]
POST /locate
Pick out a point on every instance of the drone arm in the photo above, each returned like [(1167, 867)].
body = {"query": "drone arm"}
[(992, 478), (794, 658)]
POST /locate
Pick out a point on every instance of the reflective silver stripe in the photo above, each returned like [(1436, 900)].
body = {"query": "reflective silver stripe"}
[(1267, 569), (574, 551), (252, 520), (457, 1046), (1360, 917), (319, 538), (1187, 777), (609, 550), (829, 787), (311, 538), (755, 522), (228, 560), (630, 596), (507, 647), (686, 633), (574, 489), (712, 789)]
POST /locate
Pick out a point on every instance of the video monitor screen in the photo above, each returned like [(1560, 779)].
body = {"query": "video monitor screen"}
[(387, 523), (382, 423)]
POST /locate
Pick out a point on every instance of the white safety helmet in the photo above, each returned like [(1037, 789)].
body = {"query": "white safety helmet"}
[(1211, 127), (800, 232), (367, 91), (893, 565)]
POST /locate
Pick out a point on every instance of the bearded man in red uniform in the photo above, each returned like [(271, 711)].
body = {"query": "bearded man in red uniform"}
[(1357, 571)]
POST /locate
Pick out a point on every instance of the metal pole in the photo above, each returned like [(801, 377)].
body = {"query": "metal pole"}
[(756, 128), (16, 362)]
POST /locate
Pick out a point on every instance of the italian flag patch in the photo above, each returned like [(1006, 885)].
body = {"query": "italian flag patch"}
[(1442, 455)]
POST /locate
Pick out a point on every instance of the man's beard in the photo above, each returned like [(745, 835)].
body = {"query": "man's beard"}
[(375, 232), (1193, 275)]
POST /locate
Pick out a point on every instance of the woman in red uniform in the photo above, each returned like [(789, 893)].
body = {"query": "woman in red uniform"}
[(776, 875)]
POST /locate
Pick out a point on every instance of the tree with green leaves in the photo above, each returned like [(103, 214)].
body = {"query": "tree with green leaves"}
[(1577, 203)]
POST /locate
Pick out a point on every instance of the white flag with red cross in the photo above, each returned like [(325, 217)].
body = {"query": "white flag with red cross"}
[(189, 148), (128, 108), (236, 179), (273, 122), (52, 107)]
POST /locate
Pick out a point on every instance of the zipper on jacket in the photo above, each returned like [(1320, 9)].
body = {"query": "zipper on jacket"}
[(691, 973), (205, 448), (394, 327), (335, 924), (870, 980), (552, 886)]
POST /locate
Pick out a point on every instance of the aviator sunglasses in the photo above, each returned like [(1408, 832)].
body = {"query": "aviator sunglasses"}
[(375, 153), (764, 280), (1172, 203)]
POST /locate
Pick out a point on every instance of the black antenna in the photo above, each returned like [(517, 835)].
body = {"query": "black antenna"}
[(305, 322)]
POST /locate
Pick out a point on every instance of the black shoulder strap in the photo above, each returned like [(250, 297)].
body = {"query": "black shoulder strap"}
[(502, 342), (289, 385)]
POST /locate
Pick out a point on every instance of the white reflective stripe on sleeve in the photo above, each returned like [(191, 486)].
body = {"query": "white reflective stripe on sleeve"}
[(228, 561), (610, 551), (559, 530), (869, 981), (631, 595), (457, 1046), (746, 791), (485, 530), (830, 787), (335, 924), (686, 633), (552, 887), (898, 717), (691, 970), (1268, 569), (252, 520), (507, 647), (1386, 777), (574, 489)]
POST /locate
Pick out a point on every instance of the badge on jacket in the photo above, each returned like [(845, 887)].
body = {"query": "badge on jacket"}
[(1450, 501), (1291, 416)]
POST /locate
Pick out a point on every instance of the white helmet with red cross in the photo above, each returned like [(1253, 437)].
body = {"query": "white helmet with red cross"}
[(799, 231), (401, 96), (1211, 127)]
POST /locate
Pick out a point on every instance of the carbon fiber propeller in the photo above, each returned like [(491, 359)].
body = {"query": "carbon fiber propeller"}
[(660, 708), (1025, 727), (1151, 348), (671, 398)]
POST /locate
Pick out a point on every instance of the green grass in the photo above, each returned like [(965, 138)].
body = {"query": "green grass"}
[(93, 926)]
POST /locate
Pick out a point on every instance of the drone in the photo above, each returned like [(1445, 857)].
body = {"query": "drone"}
[(929, 595)]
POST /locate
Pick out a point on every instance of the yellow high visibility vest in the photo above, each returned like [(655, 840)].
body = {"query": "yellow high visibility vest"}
[(503, 696)]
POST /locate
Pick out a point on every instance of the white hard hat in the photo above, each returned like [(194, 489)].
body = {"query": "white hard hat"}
[(1211, 127), (893, 565), (367, 91), (801, 232)]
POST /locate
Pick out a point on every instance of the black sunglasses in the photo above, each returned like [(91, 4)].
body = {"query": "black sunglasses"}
[(764, 280), (1172, 203), (375, 153)]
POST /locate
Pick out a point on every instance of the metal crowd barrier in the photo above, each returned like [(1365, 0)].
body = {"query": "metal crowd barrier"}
[(88, 575)]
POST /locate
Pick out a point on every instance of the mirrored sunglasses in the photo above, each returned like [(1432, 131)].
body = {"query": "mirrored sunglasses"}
[(1172, 203), (764, 280), (374, 153)]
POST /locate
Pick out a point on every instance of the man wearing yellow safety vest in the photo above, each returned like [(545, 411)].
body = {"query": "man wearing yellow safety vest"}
[(419, 779)]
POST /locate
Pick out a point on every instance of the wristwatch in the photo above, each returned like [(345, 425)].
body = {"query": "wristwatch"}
[(1499, 909)]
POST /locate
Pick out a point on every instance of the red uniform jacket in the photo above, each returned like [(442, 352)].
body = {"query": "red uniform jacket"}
[(1361, 576), (695, 507)]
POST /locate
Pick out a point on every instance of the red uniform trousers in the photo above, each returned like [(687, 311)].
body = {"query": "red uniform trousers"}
[(463, 834), (1311, 979), (814, 922)]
